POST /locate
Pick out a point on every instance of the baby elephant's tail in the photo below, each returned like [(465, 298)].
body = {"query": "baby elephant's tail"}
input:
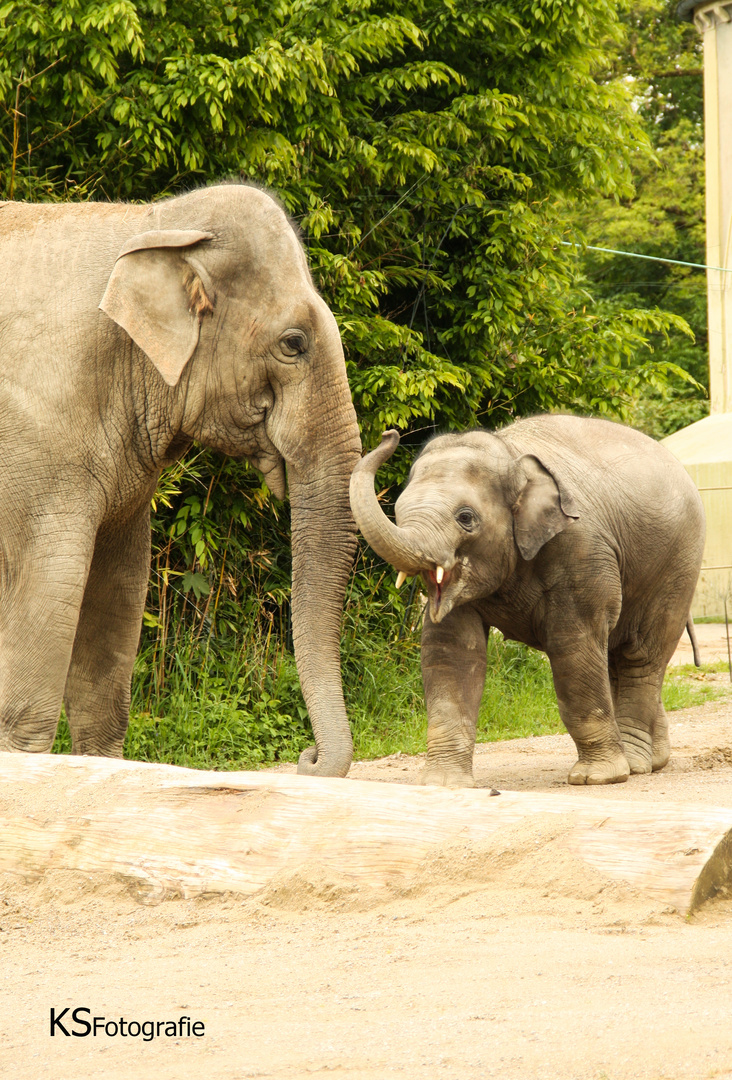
[(692, 638)]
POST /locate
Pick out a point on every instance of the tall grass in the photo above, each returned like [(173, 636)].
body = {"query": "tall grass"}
[(237, 704)]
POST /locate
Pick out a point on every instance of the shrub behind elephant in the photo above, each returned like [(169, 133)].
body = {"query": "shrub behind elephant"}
[(577, 536), (210, 329)]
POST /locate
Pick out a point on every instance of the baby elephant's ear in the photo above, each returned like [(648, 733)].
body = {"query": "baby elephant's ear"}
[(158, 296), (541, 510)]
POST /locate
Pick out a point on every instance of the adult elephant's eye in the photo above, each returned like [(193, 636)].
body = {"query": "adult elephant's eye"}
[(293, 343), (466, 519)]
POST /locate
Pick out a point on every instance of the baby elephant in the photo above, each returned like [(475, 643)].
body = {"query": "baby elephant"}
[(577, 536)]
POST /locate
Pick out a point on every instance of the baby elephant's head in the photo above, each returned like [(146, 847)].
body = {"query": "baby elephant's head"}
[(469, 512)]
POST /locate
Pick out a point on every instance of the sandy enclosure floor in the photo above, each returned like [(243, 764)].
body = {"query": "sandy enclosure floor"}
[(521, 965)]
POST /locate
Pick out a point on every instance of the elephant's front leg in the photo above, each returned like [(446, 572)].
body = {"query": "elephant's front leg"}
[(582, 684), (97, 696), (453, 673)]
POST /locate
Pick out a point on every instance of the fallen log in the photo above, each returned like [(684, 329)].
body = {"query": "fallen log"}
[(183, 832)]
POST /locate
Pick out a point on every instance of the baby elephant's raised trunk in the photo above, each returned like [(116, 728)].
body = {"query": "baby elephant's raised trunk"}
[(395, 545)]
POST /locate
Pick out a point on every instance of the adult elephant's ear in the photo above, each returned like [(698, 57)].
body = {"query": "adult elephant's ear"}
[(542, 508), (159, 294)]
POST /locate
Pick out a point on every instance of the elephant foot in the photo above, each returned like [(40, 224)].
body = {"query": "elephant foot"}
[(661, 745), (661, 753), (637, 751), (90, 750), (638, 767), (611, 770), (639, 763), (312, 763), (446, 776)]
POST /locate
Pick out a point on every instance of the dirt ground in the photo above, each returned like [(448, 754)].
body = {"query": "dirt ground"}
[(527, 972)]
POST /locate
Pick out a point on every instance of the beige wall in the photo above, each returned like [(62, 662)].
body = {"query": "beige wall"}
[(715, 581), (705, 451), (714, 19)]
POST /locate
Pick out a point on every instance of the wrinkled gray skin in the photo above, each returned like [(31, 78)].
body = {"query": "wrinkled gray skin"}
[(579, 537), (125, 333)]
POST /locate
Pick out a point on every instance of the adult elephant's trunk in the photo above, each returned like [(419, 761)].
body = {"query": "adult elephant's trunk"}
[(323, 547), (398, 546)]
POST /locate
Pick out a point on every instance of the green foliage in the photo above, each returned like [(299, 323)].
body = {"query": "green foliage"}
[(423, 151), (661, 62), (518, 699), (220, 713), (220, 571)]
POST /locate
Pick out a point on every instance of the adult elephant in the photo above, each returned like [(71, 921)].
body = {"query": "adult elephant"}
[(125, 333)]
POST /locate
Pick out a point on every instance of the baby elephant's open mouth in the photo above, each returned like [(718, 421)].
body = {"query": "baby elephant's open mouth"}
[(440, 578)]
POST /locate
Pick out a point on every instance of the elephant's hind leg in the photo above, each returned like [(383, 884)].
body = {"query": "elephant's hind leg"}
[(639, 713), (97, 696), (585, 698)]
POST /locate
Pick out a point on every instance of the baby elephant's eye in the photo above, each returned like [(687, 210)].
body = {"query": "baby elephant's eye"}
[(293, 343), (466, 519)]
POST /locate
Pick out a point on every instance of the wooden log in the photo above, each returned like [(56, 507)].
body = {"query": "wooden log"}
[(173, 831)]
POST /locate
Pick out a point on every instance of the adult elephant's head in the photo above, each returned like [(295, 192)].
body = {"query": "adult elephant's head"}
[(470, 511), (218, 294)]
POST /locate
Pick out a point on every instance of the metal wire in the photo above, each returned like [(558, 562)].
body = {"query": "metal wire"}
[(650, 258)]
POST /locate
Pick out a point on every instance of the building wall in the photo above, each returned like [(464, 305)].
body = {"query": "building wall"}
[(715, 581)]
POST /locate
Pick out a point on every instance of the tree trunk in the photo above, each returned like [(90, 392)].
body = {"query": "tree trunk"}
[(170, 831)]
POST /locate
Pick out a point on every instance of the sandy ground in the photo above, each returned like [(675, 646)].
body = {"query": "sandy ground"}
[(525, 971)]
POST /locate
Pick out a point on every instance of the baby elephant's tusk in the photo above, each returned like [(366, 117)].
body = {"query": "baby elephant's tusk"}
[(439, 575), (401, 578)]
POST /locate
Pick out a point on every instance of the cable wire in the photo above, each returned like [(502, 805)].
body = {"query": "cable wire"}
[(650, 258)]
